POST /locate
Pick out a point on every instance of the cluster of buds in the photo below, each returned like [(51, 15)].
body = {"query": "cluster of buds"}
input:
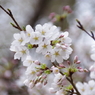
[(57, 18)]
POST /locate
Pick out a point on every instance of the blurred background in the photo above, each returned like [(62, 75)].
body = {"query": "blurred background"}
[(40, 11)]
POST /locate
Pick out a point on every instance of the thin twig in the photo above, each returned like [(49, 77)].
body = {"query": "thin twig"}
[(70, 80), (8, 11), (82, 28)]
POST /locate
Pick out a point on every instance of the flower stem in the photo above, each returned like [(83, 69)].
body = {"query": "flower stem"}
[(69, 79)]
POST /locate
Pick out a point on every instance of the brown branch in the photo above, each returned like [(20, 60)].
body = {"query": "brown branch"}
[(69, 79), (8, 11), (80, 26)]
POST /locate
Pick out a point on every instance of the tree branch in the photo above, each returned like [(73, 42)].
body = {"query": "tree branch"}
[(8, 11)]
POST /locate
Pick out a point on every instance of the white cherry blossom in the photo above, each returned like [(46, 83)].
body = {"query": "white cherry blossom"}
[(21, 52), (86, 88), (93, 52), (44, 47), (36, 38), (28, 61), (92, 71), (29, 32), (31, 72), (19, 39), (64, 38), (56, 54), (43, 29)]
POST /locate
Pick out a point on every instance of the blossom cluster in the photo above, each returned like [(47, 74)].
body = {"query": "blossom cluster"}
[(58, 85), (49, 41)]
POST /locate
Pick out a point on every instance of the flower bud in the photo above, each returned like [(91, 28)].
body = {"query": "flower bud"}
[(58, 45), (26, 82), (75, 59), (45, 82), (37, 62), (61, 65), (85, 70), (39, 85), (67, 9), (44, 77), (39, 73), (51, 90), (31, 85), (52, 15), (8, 74), (78, 62), (55, 70)]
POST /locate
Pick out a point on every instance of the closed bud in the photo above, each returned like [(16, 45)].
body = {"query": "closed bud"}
[(26, 82), (75, 59), (61, 65), (67, 9), (31, 85), (39, 73), (78, 62), (44, 77), (52, 15), (81, 70), (39, 85), (45, 82), (58, 45), (85, 70), (55, 70), (37, 62), (52, 90)]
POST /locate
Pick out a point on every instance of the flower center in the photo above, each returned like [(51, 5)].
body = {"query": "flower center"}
[(36, 38), (43, 32), (56, 53), (44, 46)]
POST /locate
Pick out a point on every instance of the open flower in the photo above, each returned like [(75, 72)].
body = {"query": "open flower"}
[(28, 61), (29, 32), (44, 47), (19, 39), (21, 52), (36, 38)]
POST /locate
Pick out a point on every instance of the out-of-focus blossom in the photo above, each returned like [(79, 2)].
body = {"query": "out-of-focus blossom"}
[(86, 88)]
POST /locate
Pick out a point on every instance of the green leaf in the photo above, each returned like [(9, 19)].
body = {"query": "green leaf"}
[(30, 46), (47, 71), (70, 87), (43, 66)]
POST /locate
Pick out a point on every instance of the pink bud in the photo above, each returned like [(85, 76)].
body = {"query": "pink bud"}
[(37, 62), (78, 62), (92, 68), (55, 70), (31, 85), (7, 74), (39, 85), (52, 15), (52, 90), (58, 45), (85, 70), (81, 70), (39, 73), (45, 82), (26, 82), (68, 62), (67, 9), (44, 77), (75, 59), (61, 65)]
